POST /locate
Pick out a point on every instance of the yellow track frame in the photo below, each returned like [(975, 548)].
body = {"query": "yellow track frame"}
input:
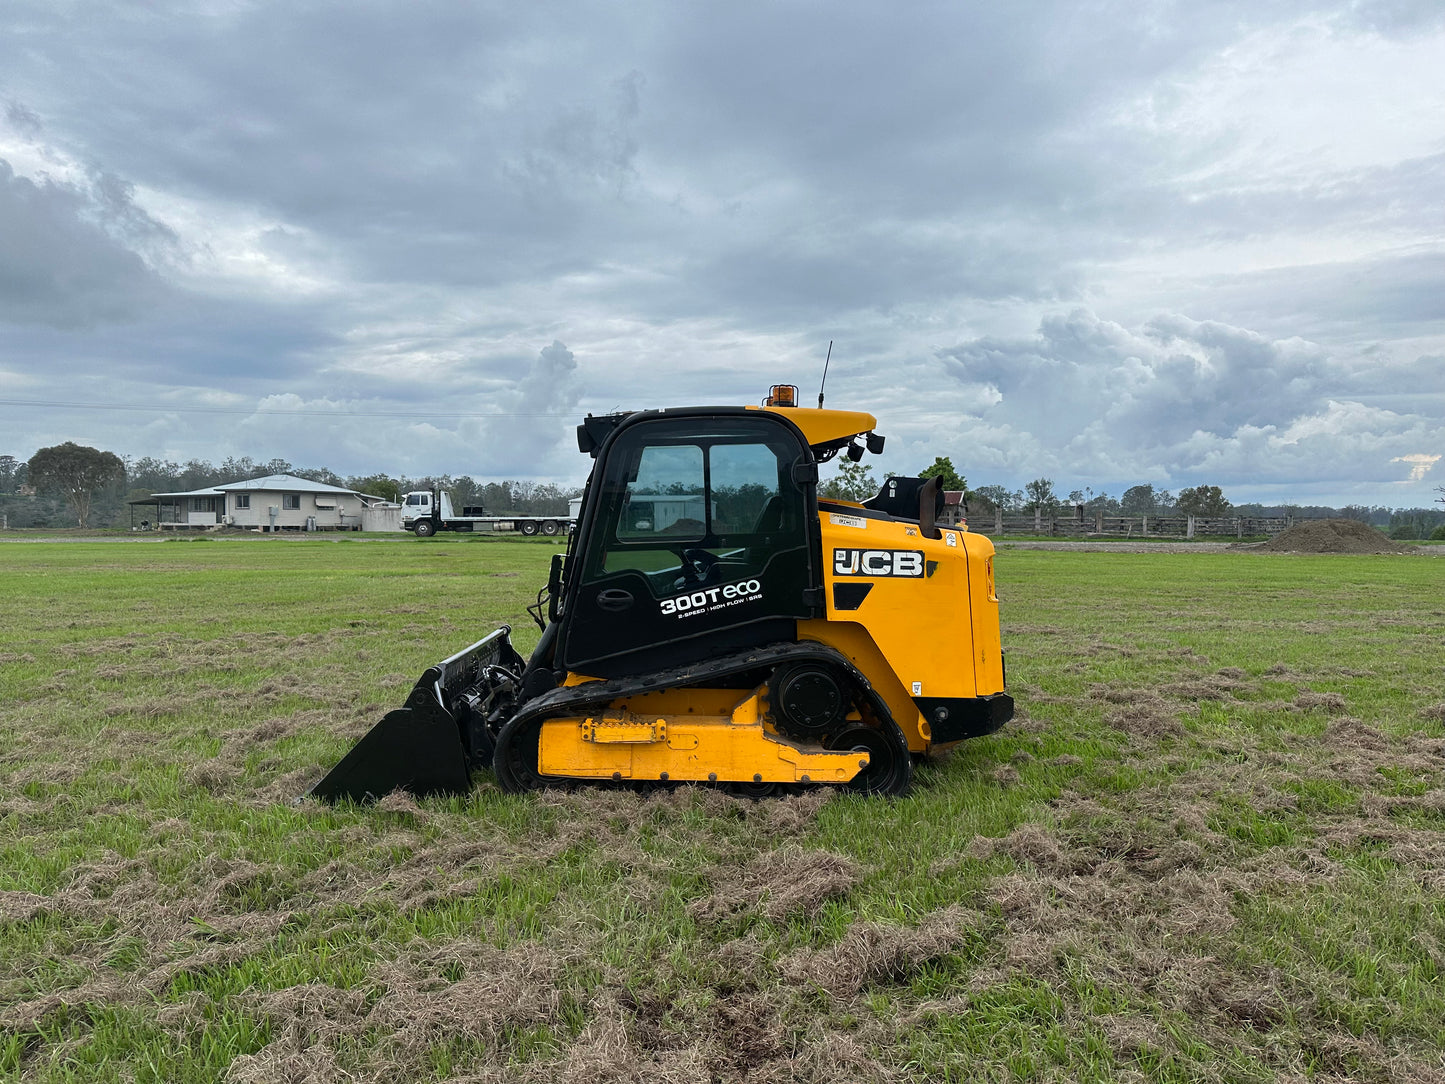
[(736, 747)]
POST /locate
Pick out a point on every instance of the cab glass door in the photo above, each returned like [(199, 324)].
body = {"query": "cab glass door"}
[(701, 542)]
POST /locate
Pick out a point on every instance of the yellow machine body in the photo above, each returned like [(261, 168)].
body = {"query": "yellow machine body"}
[(930, 637), (935, 637)]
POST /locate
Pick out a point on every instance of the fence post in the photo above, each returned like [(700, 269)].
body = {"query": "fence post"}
[(1039, 520), (1189, 527), (1144, 527), (998, 520)]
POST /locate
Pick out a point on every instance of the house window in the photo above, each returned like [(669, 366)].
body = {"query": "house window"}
[(291, 501), (243, 500)]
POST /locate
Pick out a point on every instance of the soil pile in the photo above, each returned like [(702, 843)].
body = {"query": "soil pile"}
[(1334, 536)]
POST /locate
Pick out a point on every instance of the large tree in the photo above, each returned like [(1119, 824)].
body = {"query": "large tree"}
[(998, 497), (1145, 500), (1202, 501), (1138, 501), (1040, 493), (75, 471), (853, 482), (942, 469)]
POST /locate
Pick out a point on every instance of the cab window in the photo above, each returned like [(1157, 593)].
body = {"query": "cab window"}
[(691, 508)]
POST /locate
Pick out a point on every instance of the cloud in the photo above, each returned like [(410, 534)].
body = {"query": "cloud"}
[(520, 430), (1179, 401), (1420, 464), (65, 260), (544, 403)]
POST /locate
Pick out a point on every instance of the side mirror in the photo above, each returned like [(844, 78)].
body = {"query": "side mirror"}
[(556, 580)]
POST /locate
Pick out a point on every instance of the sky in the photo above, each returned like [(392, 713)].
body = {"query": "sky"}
[(1102, 243)]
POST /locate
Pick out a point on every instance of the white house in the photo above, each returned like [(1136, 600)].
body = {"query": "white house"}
[(278, 502), (283, 502)]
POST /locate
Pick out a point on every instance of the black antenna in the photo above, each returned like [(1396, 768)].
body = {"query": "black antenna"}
[(825, 373)]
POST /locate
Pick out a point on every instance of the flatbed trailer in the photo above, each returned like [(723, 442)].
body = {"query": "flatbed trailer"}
[(427, 512)]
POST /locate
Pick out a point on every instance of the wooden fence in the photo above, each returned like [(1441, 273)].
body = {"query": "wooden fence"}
[(1077, 523)]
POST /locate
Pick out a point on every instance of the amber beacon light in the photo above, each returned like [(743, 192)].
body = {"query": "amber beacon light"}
[(782, 395)]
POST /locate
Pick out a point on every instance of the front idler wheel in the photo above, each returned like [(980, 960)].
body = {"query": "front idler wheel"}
[(515, 758), (889, 769)]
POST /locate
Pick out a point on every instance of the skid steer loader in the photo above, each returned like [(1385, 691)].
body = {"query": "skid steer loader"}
[(715, 621)]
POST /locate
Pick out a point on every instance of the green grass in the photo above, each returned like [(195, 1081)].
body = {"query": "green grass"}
[(1208, 848)]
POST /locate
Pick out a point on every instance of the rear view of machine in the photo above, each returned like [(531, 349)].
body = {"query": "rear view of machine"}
[(714, 621)]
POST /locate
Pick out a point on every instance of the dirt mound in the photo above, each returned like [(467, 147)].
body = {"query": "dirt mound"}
[(1334, 536)]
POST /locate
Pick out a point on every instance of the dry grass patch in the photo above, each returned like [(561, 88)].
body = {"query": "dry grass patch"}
[(779, 883), (873, 953)]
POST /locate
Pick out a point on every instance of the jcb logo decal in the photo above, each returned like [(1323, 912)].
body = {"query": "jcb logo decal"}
[(906, 563)]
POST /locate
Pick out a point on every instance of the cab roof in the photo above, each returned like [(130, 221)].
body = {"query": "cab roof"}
[(825, 431), (822, 426)]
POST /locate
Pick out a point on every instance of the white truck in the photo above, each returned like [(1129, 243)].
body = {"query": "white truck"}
[(428, 511)]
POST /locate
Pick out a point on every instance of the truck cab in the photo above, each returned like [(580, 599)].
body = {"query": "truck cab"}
[(417, 505)]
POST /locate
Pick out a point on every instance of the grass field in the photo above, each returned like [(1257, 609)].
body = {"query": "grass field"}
[(1209, 848)]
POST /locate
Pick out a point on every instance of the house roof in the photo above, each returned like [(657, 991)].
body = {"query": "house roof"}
[(154, 497), (287, 483)]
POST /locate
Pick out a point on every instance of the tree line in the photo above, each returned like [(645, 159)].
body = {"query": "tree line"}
[(75, 485), (71, 485), (855, 482)]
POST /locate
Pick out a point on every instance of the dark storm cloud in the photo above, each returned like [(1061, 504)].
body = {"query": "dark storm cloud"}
[(403, 132), (64, 260), (445, 144), (813, 156)]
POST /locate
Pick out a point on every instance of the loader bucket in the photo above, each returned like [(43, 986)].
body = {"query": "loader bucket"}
[(430, 744)]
